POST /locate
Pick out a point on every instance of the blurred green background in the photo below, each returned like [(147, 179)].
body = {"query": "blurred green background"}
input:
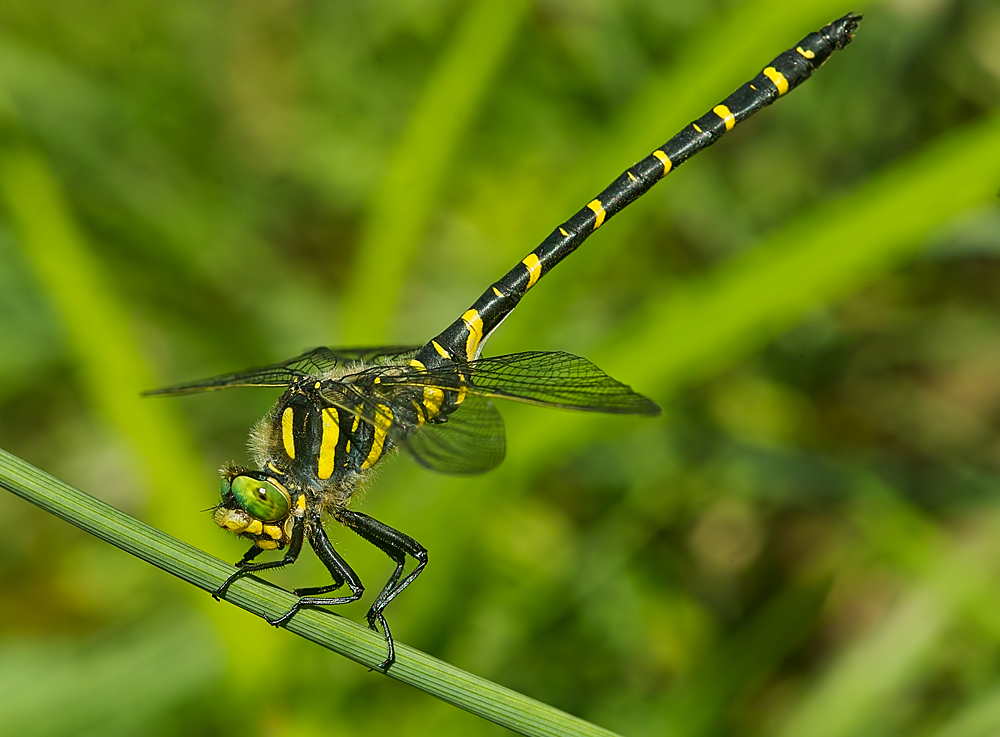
[(806, 543)]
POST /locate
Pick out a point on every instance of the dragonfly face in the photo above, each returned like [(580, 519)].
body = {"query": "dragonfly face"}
[(343, 410), (308, 452), (257, 507)]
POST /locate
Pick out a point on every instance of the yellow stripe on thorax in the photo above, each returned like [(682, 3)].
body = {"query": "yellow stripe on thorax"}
[(383, 421), (328, 444), (433, 399), (287, 436)]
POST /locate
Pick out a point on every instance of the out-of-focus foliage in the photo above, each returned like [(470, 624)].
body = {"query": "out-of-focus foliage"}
[(805, 544)]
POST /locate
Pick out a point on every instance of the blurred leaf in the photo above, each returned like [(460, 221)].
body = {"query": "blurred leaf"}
[(980, 718), (740, 664), (863, 683), (54, 688), (113, 371), (399, 213)]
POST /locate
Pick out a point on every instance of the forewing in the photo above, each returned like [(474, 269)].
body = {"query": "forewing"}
[(310, 363), (553, 379), (469, 440)]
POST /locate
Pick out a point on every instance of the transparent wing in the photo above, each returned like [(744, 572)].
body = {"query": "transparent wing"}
[(310, 363), (467, 440), (553, 379), (467, 435)]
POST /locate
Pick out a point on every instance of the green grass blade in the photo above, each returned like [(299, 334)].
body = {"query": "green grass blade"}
[(400, 209), (476, 695)]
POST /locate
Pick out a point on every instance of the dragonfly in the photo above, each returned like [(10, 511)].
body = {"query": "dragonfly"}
[(343, 410)]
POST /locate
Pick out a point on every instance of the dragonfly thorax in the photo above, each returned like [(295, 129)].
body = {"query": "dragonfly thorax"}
[(323, 448)]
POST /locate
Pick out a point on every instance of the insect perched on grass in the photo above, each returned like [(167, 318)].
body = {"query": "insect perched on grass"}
[(343, 410)]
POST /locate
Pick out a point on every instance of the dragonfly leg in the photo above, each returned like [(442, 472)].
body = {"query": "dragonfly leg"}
[(338, 568), (317, 590), (396, 545), (246, 567), (248, 556)]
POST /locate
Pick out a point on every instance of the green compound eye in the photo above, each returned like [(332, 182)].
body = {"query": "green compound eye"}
[(263, 500)]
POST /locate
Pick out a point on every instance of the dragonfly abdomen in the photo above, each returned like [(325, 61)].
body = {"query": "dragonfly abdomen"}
[(464, 338)]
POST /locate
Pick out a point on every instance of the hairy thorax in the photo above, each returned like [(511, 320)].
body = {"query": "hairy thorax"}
[(324, 451)]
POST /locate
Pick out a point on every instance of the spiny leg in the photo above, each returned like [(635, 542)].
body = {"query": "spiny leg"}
[(338, 568), (317, 590), (246, 567), (396, 545), (248, 556)]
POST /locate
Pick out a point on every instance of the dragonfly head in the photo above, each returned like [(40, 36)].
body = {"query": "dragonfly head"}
[(256, 506)]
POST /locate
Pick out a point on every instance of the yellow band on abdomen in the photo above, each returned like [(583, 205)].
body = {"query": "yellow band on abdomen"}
[(778, 79), (727, 117)]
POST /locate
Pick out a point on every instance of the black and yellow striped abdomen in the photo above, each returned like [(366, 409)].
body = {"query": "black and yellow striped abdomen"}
[(463, 339)]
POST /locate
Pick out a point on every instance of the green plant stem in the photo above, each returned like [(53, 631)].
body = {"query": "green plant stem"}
[(464, 690)]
